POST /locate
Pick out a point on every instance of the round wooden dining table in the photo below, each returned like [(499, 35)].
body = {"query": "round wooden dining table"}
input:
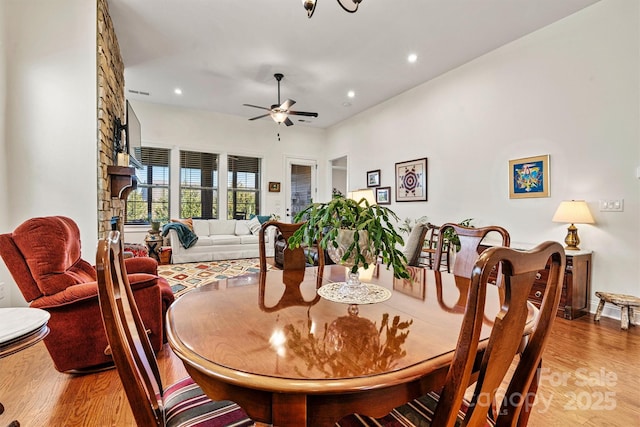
[(289, 357)]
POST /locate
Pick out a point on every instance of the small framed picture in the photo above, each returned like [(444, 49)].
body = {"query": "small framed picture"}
[(373, 178), (274, 187), (383, 195), (529, 177)]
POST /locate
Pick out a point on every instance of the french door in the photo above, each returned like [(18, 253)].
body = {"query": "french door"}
[(300, 186)]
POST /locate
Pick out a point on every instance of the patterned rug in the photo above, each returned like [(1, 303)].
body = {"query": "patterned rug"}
[(185, 277)]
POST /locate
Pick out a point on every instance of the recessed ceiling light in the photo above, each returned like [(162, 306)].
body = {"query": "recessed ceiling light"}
[(351, 94), (177, 91), (412, 58)]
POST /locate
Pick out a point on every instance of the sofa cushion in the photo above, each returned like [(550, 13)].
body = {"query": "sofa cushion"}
[(249, 239), (227, 239), (201, 227), (222, 226), (204, 241), (242, 228)]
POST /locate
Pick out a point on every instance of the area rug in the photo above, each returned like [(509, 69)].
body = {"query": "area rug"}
[(185, 277)]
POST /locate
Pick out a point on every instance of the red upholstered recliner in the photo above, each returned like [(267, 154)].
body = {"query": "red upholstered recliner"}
[(43, 256)]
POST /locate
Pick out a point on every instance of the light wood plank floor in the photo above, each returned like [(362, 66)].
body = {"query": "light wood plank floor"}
[(591, 378)]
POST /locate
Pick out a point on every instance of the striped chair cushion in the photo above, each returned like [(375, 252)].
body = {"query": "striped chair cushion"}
[(186, 405), (417, 413)]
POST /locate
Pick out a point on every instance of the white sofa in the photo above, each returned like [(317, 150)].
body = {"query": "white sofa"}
[(220, 239)]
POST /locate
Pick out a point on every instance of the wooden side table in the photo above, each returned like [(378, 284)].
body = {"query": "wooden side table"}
[(154, 243), (165, 255), (20, 328)]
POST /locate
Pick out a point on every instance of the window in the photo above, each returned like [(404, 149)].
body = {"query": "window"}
[(243, 187), (198, 185), (150, 201)]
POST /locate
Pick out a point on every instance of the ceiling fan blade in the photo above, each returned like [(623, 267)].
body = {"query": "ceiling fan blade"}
[(302, 113), (287, 104), (257, 106), (288, 122), (259, 117)]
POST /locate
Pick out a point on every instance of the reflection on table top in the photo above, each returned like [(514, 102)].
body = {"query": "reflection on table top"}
[(272, 332)]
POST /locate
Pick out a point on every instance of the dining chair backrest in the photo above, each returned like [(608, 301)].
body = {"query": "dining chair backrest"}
[(294, 259), (130, 347), (505, 341), (470, 239), (183, 402), (431, 246)]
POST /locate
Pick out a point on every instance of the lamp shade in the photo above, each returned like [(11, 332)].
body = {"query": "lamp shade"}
[(574, 212), (365, 193)]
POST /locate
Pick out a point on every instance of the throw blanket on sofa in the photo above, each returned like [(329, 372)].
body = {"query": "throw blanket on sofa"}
[(187, 237)]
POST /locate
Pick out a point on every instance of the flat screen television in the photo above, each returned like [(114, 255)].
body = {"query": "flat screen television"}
[(134, 137)]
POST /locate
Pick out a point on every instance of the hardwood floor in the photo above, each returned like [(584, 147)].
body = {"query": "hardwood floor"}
[(591, 377)]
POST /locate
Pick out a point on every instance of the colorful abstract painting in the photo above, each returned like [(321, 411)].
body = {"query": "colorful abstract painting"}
[(529, 177)]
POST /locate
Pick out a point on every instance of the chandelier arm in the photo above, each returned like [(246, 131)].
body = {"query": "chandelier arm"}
[(357, 3)]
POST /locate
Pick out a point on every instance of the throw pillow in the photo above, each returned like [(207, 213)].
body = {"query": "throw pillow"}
[(254, 225), (414, 244), (188, 222), (261, 218), (242, 228)]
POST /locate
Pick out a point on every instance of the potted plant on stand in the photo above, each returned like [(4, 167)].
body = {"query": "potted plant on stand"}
[(355, 234)]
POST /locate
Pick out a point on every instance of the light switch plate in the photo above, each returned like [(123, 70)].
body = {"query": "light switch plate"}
[(612, 205)]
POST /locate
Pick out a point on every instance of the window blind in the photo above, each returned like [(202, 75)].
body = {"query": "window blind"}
[(198, 185)]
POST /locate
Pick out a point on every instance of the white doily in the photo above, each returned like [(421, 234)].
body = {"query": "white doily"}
[(375, 294)]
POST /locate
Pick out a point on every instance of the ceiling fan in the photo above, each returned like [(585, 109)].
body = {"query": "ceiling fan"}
[(280, 112)]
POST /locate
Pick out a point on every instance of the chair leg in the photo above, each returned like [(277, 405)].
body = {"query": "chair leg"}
[(632, 316), (596, 318)]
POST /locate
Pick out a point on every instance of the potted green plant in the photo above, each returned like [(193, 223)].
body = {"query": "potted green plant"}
[(452, 238), (354, 233)]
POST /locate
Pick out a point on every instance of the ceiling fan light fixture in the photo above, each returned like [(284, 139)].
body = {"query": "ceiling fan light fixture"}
[(278, 116)]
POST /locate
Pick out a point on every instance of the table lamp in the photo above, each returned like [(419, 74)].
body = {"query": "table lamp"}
[(364, 193), (573, 212)]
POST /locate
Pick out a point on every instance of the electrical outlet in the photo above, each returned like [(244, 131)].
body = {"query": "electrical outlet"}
[(2, 290), (612, 205)]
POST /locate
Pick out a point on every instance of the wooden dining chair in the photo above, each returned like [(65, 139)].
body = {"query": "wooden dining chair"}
[(470, 239), (431, 240), (448, 406), (293, 259), (180, 404)]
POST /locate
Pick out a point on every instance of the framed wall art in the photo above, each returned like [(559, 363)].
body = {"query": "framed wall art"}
[(383, 195), (529, 177), (411, 181), (274, 187), (373, 178)]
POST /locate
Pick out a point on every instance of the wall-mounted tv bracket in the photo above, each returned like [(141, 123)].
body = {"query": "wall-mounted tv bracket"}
[(118, 146)]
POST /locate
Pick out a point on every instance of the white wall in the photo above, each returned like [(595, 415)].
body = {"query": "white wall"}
[(4, 199), (205, 131), (49, 116), (570, 90)]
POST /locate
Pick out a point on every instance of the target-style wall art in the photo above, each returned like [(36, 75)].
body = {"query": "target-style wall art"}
[(411, 181)]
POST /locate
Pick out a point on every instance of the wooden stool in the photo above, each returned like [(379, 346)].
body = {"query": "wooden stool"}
[(625, 302)]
